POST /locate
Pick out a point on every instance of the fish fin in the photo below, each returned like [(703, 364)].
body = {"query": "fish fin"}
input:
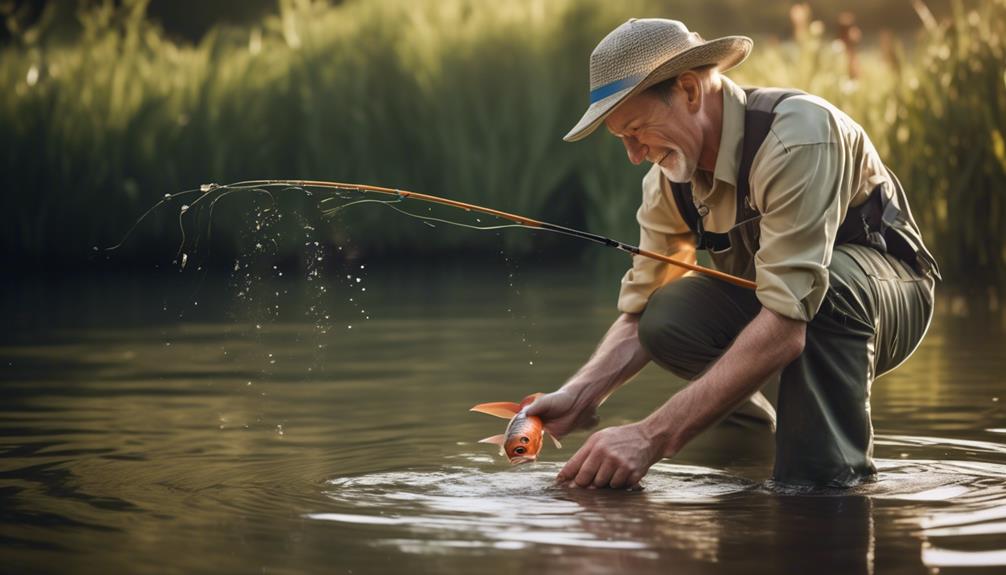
[(554, 440), (504, 409), (495, 440), (530, 399)]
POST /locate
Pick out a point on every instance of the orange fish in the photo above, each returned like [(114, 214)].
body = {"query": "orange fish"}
[(522, 439)]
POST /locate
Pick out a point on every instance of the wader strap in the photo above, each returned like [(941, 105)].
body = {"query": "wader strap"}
[(758, 118)]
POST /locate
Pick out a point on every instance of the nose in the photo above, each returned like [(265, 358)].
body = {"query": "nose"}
[(637, 151)]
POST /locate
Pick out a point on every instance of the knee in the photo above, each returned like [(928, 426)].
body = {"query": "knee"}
[(661, 326)]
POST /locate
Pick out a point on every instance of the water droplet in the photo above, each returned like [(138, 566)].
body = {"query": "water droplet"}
[(530, 363), (249, 383), (185, 260), (349, 327), (357, 280), (185, 208), (279, 430), (361, 267)]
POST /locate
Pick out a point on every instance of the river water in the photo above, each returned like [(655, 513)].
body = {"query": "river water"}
[(318, 422)]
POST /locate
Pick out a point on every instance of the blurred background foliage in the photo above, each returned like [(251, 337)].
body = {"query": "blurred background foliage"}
[(108, 106)]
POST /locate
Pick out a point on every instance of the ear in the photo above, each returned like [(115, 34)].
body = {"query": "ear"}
[(691, 85)]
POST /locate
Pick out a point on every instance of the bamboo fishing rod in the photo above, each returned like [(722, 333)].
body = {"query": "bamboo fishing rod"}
[(517, 219)]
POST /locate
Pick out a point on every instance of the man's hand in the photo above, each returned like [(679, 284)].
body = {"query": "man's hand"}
[(563, 412), (616, 457)]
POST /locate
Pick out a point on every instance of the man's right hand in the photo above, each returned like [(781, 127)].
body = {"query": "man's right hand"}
[(563, 412)]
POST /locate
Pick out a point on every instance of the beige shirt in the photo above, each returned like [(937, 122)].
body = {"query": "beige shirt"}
[(814, 163)]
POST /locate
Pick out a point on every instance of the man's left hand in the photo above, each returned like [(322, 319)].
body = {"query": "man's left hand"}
[(616, 457)]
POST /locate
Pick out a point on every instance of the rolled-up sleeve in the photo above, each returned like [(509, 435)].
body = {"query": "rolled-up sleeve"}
[(661, 230), (797, 191)]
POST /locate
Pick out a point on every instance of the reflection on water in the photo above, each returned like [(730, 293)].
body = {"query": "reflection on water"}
[(241, 439)]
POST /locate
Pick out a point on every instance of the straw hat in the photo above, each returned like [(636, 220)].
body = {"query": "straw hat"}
[(644, 52)]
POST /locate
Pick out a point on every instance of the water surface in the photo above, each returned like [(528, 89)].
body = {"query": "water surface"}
[(243, 424)]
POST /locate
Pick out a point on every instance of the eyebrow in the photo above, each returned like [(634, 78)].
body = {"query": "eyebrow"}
[(625, 128)]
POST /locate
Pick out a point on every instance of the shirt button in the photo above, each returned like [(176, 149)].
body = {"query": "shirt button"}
[(703, 209)]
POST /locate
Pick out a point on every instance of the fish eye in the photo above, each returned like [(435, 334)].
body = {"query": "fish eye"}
[(519, 450), (524, 439)]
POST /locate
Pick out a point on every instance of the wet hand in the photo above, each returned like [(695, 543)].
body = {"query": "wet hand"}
[(563, 412), (616, 457)]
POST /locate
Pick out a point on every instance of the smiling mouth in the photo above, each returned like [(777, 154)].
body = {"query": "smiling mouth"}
[(522, 459)]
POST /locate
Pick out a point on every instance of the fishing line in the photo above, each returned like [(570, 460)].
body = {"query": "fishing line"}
[(425, 219), (129, 232), (217, 192)]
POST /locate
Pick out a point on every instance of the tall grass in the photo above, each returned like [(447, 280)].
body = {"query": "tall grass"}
[(461, 98), (948, 140)]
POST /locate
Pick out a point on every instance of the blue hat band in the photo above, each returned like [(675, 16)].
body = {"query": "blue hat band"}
[(602, 92)]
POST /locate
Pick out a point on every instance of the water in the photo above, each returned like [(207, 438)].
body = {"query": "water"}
[(257, 435)]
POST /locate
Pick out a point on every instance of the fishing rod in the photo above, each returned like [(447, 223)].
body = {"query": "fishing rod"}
[(517, 219)]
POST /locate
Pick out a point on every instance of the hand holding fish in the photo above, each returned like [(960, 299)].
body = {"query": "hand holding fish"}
[(616, 457), (563, 412), (522, 439)]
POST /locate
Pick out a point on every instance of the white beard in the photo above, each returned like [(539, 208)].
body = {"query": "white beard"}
[(682, 170)]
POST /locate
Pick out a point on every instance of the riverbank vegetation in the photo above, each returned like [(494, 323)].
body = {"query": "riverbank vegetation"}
[(463, 99)]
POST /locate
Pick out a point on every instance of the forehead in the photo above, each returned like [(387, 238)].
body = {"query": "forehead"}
[(637, 107)]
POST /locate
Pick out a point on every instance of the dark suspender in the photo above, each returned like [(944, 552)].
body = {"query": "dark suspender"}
[(870, 223), (758, 117)]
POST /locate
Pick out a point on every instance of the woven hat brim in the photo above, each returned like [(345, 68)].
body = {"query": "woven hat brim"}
[(726, 52)]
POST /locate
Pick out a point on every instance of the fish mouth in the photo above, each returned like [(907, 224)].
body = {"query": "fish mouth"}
[(519, 459)]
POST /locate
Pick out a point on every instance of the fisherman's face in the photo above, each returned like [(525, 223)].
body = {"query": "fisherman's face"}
[(660, 129)]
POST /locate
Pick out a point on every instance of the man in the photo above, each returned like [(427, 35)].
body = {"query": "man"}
[(783, 189)]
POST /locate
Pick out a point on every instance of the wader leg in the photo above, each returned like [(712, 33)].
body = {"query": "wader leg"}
[(874, 315), (689, 323)]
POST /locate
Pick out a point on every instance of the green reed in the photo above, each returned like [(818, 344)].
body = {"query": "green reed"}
[(948, 140), (460, 98)]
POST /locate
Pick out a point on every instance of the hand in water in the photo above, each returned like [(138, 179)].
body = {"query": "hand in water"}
[(563, 412), (616, 457)]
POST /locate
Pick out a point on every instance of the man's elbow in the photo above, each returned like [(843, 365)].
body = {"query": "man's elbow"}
[(788, 336), (795, 341)]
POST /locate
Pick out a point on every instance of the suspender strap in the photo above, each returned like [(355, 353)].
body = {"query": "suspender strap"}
[(757, 122), (758, 119)]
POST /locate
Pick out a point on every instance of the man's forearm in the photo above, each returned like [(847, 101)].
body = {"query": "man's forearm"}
[(766, 345), (617, 358)]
